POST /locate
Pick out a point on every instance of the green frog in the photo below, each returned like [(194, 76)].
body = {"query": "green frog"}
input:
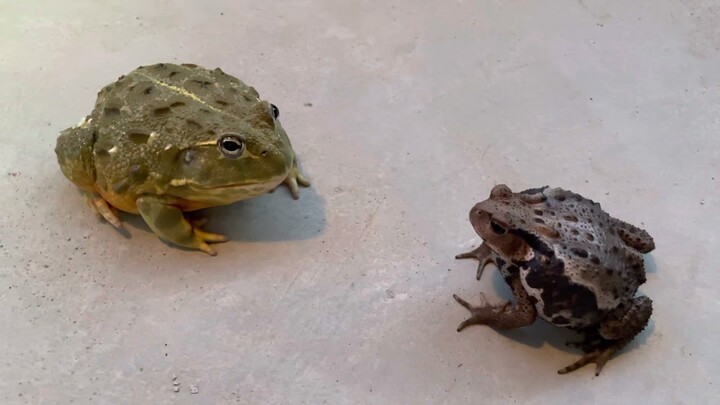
[(166, 139)]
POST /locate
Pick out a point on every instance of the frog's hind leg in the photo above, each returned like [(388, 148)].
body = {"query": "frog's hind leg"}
[(101, 206), (617, 331), (502, 316)]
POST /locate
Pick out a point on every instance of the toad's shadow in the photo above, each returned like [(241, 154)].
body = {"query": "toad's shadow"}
[(541, 332), (272, 217)]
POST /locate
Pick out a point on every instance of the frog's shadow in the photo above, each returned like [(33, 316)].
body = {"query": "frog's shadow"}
[(541, 332), (275, 216)]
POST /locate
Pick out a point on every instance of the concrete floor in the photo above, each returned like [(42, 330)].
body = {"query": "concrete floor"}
[(345, 296)]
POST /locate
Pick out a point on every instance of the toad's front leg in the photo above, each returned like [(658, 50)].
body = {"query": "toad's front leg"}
[(503, 316), (169, 223), (484, 254)]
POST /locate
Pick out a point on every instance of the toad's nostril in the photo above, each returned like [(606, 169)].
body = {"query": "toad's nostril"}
[(264, 153)]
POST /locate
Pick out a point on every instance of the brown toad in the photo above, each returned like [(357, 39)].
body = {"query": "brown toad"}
[(568, 262)]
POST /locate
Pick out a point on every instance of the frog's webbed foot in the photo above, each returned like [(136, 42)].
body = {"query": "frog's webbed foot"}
[(105, 210), (295, 179), (169, 223), (483, 253)]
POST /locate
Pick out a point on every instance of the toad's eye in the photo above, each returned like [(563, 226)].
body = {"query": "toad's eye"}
[(275, 110), (231, 146), (497, 228)]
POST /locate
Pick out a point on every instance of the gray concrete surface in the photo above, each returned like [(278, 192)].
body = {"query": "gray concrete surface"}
[(344, 297)]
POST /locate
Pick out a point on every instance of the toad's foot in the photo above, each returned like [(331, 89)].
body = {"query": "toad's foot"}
[(599, 356), (615, 332), (504, 315), (482, 314), (169, 223), (294, 179), (483, 253)]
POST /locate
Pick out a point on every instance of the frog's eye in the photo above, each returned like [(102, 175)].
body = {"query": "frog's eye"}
[(275, 110), (231, 146), (497, 228)]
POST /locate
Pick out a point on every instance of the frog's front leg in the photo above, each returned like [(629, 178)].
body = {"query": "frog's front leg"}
[(295, 178), (484, 254), (170, 224)]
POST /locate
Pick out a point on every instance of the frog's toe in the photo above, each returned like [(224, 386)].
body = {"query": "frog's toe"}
[(302, 180), (207, 248), (295, 179), (202, 240), (105, 210), (210, 237)]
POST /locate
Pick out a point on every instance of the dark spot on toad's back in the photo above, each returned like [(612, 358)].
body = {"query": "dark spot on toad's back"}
[(580, 252)]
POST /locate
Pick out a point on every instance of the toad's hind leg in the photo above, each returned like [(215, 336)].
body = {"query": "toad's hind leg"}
[(503, 316), (617, 330), (101, 206), (633, 236), (169, 223)]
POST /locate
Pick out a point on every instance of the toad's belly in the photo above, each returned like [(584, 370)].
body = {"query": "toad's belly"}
[(561, 301)]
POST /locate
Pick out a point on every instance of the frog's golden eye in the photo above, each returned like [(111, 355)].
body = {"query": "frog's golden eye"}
[(275, 110), (231, 146)]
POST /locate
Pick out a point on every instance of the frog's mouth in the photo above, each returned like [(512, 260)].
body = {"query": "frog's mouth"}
[(223, 193), (247, 185)]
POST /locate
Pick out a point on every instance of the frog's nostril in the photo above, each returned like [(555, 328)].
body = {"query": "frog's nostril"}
[(264, 153)]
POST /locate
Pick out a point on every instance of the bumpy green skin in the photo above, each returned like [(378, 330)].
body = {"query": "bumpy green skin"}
[(154, 133)]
